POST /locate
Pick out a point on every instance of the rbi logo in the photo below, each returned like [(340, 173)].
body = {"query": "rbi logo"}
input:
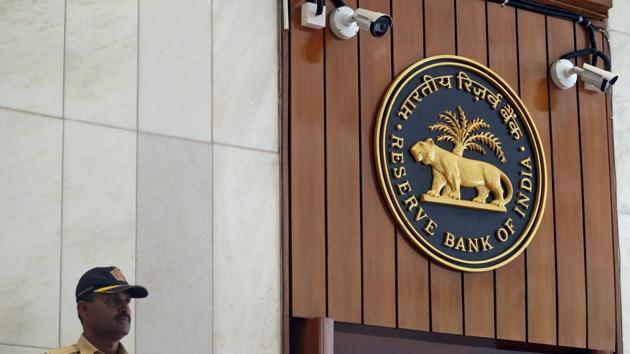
[(460, 163)]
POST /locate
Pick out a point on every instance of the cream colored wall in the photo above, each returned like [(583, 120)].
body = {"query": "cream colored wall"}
[(141, 133), (619, 33)]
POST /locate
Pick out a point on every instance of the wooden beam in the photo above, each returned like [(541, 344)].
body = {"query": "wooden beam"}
[(593, 9), (312, 336)]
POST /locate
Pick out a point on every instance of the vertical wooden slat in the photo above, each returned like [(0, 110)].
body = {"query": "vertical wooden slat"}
[(446, 284), (286, 312), (343, 194), (379, 278), (471, 30), (600, 287), (408, 39), (567, 197), (510, 279), (541, 265), (439, 27), (413, 266), (413, 286), (478, 287), (307, 169)]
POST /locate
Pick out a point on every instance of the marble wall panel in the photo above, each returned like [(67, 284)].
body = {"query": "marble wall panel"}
[(99, 211), (246, 252), (174, 86), (245, 73), (624, 250), (620, 44), (174, 249), (31, 59), (101, 62), (7, 349), (618, 16), (30, 219)]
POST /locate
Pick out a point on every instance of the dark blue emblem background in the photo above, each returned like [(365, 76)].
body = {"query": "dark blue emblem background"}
[(460, 221)]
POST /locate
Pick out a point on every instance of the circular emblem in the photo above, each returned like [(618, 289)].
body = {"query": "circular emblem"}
[(460, 163)]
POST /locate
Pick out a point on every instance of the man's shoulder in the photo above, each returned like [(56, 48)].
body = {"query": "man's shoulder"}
[(71, 349)]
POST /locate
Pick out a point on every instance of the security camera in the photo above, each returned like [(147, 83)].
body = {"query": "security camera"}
[(377, 23), (597, 79), (346, 22), (564, 74)]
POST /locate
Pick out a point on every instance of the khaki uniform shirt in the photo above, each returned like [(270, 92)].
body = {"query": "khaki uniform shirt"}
[(83, 346)]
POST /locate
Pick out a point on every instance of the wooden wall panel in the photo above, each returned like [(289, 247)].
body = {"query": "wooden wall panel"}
[(478, 287), (307, 169), (510, 279), (286, 197), (567, 185), (343, 195), (413, 266), (597, 216), (541, 266), (379, 236), (343, 255), (446, 284)]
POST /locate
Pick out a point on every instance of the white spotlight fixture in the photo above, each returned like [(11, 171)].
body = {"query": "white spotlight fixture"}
[(564, 74)]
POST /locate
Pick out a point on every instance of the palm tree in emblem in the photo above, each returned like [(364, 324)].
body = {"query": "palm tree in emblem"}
[(458, 130)]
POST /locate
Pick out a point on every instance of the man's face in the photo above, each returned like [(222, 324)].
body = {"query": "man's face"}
[(108, 315)]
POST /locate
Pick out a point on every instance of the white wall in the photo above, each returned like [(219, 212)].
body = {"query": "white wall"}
[(141, 133), (619, 32)]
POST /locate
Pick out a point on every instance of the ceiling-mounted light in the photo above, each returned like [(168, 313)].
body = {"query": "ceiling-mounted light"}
[(564, 74), (346, 22)]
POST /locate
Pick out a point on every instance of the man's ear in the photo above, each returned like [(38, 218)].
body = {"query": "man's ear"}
[(83, 309)]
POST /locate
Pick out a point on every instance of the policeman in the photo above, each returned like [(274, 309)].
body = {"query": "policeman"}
[(103, 297)]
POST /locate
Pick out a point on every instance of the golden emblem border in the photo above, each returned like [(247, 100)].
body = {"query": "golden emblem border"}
[(412, 234)]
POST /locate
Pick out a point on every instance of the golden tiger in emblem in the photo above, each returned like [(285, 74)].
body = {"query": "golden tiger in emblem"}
[(451, 171)]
